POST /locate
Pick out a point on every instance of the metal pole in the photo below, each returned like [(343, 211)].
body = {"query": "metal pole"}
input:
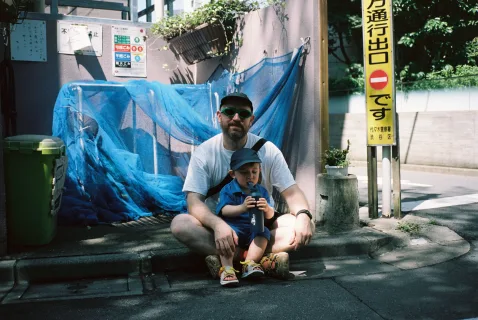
[(134, 125), (133, 10), (386, 182), (54, 7), (148, 15), (3, 211), (80, 117), (372, 182), (397, 188), (159, 9), (323, 81)]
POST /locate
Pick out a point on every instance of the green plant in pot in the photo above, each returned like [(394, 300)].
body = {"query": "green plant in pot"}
[(223, 12), (336, 162)]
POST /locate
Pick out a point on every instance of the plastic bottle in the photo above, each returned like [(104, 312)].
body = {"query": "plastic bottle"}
[(256, 215)]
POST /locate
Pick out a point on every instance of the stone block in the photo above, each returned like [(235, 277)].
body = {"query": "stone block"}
[(337, 202)]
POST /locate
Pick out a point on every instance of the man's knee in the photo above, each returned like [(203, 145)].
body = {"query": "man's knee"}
[(181, 226)]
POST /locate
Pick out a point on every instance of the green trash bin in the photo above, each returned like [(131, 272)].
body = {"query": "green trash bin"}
[(35, 170)]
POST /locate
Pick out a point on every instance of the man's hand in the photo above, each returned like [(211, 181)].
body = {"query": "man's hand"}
[(226, 239), (303, 231)]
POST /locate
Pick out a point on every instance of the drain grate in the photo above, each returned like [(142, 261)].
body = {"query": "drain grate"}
[(79, 289), (145, 222)]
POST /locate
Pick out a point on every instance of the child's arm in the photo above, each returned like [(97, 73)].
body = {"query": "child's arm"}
[(234, 211)]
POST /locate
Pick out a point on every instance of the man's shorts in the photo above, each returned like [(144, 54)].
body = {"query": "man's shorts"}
[(245, 235)]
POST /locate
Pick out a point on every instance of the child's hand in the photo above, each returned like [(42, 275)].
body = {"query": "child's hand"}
[(249, 203), (262, 204)]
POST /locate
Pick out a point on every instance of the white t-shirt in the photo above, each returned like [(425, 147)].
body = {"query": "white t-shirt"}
[(210, 163)]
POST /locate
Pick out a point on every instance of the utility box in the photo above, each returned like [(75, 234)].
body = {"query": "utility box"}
[(35, 171)]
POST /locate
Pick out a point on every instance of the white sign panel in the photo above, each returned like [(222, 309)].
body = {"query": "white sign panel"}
[(28, 41), (81, 39), (129, 51)]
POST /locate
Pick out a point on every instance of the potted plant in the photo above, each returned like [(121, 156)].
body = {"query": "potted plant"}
[(336, 162), (205, 32)]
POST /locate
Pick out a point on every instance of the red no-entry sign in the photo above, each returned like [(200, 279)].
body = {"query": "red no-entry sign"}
[(378, 79)]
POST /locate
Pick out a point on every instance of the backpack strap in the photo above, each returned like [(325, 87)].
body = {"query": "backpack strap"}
[(212, 191)]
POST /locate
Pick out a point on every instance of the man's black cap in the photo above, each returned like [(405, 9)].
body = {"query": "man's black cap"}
[(243, 156), (238, 96)]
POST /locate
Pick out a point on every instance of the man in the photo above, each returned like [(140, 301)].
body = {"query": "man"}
[(205, 232)]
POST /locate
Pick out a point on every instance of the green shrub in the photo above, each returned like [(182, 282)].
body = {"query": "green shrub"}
[(337, 157), (222, 11)]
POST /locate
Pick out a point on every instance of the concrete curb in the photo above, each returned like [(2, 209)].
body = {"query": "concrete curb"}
[(363, 241), (379, 240), (7, 276), (431, 244)]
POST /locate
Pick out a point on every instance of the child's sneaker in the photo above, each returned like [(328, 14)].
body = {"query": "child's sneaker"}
[(276, 265), (214, 265), (251, 269), (228, 276)]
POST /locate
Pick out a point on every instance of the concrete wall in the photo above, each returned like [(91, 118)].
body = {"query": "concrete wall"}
[(264, 34), (437, 128), (38, 83)]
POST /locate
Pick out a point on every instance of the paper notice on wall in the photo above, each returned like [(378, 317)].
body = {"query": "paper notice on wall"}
[(129, 51), (28, 41), (80, 39)]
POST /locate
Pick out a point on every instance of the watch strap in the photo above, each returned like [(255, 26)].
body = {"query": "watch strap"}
[(305, 211)]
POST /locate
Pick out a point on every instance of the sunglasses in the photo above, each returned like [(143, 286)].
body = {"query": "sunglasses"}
[(231, 112)]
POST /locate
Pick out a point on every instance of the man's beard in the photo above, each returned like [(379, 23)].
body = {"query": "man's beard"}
[(235, 133)]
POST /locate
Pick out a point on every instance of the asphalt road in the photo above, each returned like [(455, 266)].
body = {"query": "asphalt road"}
[(444, 291), (450, 189)]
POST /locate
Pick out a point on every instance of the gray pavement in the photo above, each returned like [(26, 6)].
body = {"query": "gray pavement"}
[(375, 272)]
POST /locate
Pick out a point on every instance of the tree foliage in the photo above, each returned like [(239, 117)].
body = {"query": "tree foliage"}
[(430, 36)]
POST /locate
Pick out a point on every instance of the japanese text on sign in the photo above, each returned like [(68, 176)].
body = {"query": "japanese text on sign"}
[(129, 51), (378, 61)]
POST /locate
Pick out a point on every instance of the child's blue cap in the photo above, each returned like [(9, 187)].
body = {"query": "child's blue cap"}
[(243, 156)]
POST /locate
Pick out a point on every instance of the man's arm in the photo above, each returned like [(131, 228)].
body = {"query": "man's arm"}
[(199, 210), (226, 239), (296, 201)]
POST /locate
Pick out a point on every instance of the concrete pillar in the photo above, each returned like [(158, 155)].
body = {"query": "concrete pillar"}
[(337, 202)]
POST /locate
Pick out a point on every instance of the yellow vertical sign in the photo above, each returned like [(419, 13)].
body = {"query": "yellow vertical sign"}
[(379, 72)]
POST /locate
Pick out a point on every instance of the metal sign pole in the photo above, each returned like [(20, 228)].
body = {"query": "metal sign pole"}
[(3, 211), (386, 182), (397, 188), (372, 182)]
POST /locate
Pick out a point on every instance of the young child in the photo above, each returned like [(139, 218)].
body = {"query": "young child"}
[(234, 205)]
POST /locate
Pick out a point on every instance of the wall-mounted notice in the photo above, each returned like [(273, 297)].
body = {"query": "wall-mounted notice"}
[(81, 39), (28, 41), (129, 51)]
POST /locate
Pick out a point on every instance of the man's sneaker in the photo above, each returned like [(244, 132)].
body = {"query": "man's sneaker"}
[(276, 265), (214, 265), (251, 269), (228, 276)]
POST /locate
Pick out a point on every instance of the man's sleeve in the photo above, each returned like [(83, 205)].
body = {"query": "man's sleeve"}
[(281, 177), (197, 178)]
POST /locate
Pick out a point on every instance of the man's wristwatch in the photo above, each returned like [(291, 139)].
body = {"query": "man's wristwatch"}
[(305, 211)]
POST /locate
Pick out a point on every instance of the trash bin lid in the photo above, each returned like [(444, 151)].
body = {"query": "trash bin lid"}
[(32, 142)]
